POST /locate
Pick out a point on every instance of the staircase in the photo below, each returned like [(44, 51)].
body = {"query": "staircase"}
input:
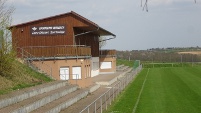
[(29, 59), (50, 97)]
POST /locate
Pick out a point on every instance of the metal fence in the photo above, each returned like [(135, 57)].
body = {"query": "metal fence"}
[(102, 102)]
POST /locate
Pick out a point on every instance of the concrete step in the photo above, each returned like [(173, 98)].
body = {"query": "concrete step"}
[(37, 101), (20, 95), (122, 68), (114, 79), (63, 102)]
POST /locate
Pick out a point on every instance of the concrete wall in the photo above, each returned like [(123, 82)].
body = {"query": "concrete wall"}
[(108, 59), (85, 65), (94, 66)]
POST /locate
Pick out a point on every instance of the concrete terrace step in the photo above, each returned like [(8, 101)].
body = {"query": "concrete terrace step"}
[(122, 68), (39, 100), (20, 95), (113, 77), (63, 102)]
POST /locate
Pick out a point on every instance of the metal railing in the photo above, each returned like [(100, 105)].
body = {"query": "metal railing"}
[(38, 65), (104, 53), (102, 102), (57, 51)]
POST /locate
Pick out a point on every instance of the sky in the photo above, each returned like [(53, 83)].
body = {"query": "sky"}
[(168, 23)]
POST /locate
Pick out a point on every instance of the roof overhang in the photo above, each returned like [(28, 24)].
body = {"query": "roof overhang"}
[(93, 27), (95, 30)]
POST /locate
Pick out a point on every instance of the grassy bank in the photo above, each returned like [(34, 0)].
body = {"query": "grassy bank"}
[(22, 77)]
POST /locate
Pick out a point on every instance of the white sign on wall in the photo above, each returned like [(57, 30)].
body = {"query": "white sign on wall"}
[(48, 30), (106, 65)]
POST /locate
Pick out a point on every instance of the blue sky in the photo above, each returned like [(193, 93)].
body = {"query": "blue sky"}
[(168, 23)]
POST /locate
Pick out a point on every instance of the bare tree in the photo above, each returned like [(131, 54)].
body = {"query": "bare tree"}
[(145, 6), (5, 14), (7, 55)]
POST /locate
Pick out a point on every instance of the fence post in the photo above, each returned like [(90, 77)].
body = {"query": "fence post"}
[(101, 104), (95, 107), (113, 93), (109, 97), (105, 101), (118, 87), (76, 79), (124, 82)]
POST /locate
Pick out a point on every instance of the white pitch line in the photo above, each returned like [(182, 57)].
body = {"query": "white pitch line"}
[(138, 98)]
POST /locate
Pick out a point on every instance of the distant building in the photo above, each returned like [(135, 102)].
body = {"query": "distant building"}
[(65, 46)]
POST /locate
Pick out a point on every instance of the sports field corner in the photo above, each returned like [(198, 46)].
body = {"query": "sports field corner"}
[(162, 90)]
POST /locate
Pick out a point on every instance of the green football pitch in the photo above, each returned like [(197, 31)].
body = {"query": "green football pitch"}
[(162, 90)]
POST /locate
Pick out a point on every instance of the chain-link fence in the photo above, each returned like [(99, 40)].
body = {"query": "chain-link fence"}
[(102, 102)]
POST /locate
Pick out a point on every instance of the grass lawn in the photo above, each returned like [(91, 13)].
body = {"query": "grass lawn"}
[(125, 62), (166, 90)]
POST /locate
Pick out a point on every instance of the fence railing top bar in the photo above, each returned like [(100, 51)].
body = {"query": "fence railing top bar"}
[(60, 58), (57, 46), (95, 100), (107, 50), (100, 96)]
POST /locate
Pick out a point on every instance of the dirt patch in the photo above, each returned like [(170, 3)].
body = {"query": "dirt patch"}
[(191, 52)]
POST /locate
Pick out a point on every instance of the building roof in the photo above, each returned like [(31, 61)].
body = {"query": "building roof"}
[(99, 30)]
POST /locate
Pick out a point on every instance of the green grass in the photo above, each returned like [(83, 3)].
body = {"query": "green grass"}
[(167, 90), (125, 102), (125, 62), (24, 77), (156, 65)]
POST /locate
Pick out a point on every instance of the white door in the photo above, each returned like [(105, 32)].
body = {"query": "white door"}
[(76, 72), (64, 73)]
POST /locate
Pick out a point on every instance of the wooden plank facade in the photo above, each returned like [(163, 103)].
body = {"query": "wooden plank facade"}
[(54, 51), (74, 24), (107, 53), (66, 42)]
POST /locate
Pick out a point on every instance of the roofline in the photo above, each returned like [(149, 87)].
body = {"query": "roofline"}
[(107, 31), (72, 12)]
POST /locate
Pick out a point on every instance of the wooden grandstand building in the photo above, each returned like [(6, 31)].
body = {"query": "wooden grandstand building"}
[(64, 46)]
